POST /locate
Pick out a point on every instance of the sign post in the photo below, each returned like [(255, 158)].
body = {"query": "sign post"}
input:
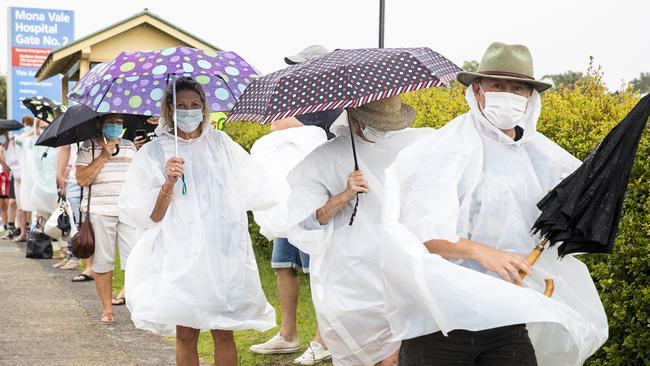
[(33, 34)]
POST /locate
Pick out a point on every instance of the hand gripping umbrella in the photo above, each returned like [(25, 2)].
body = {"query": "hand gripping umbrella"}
[(342, 79), (135, 82), (582, 212)]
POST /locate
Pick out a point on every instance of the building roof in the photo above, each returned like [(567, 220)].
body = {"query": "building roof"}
[(62, 59)]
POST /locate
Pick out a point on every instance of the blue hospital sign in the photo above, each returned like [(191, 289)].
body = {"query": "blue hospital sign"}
[(33, 34)]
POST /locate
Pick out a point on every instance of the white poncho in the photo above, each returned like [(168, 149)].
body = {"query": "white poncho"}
[(196, 267), (347, 288), (279, 152), (470, 180)]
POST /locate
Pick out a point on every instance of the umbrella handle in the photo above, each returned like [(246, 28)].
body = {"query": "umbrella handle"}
[(356, 167), (532, 259)]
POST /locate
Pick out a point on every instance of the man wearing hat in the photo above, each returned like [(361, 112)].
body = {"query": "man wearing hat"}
[(469, 193), (346, 284)]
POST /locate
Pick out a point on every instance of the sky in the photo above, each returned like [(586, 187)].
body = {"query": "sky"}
[(561, 34)]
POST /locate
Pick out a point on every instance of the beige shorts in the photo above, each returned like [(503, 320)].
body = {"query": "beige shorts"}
[(109, 233)]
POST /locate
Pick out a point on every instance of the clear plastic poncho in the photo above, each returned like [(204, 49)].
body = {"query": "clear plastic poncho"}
[(279, 152), (346, 284), (196, 267), (470, 180), (38, 175)]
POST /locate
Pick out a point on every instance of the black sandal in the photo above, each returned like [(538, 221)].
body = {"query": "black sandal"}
[(118, 301), (82, 277)]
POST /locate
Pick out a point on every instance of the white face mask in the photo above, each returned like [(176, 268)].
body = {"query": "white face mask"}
[(504, 110), (189, 119), (374, 134)]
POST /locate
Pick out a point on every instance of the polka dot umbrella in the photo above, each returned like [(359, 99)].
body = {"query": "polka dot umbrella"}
[(342, 79), (135, 82)]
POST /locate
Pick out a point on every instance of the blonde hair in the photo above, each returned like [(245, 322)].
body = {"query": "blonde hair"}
[(167, 110)]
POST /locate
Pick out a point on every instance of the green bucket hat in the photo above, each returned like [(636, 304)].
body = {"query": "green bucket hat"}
[(505, 62)]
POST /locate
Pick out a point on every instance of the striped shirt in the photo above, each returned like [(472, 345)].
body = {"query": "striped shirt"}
[(107, 186)]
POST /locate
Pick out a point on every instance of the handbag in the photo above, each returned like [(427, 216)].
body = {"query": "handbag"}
[(39, 245), (83, 242), (58, 226)]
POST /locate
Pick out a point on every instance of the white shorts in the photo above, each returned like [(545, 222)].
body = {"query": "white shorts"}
[(109, 232)]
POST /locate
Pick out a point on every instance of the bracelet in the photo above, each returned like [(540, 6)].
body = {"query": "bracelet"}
[(169, 196)]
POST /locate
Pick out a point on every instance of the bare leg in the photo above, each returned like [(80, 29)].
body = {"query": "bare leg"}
[(4, 208), (225, 350), (187, 340), (23, 218), (318, 339), (104, 284), (12, 210), (89, 267), (288, 288)]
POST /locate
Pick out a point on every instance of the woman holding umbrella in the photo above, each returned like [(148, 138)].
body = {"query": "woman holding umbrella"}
[(194, 268), (345, 274)]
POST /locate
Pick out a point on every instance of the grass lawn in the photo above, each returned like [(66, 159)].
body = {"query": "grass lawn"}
[(244, 339)]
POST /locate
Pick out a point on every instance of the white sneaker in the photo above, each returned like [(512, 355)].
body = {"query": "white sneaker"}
[(314, 354), (277, 344)]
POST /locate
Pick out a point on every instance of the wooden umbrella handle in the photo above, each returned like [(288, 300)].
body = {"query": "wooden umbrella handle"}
[(532, 259)]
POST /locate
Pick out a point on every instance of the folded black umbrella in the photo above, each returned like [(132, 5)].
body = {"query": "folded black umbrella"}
[(582, 212), (10, 125), (43, 108), (77, 124)]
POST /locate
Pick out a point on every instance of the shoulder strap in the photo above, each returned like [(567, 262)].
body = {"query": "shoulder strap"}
[(90, 187)]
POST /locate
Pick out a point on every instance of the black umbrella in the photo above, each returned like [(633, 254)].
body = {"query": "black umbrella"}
[(43, 108), (582, 212), (78, 123), (10, 125)]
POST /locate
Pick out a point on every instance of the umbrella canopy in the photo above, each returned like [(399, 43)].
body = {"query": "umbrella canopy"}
[(135, 82), (323, 119), (342, 79), (582, 212), (43, 108), (10, 125), (77, 124)]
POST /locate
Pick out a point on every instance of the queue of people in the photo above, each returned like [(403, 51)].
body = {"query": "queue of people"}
[(437, 210)]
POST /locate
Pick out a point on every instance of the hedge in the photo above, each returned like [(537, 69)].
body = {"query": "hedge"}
[(577, 120)]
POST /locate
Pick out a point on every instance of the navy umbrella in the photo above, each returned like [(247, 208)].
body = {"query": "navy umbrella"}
[(342, 79), (10, 125), (323, 119)]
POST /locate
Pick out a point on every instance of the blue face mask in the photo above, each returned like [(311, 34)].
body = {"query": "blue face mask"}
[(3, 139), (112, 131)]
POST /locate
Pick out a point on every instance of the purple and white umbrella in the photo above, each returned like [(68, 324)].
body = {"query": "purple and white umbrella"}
[(135, 82), (342, 79)]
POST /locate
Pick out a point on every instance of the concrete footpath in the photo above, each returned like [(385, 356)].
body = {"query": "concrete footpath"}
[(45, 319)]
